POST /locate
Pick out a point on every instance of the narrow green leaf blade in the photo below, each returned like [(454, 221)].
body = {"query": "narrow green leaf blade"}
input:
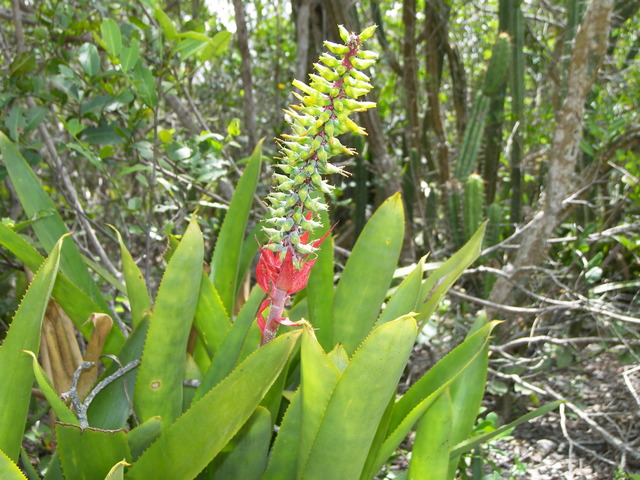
[(430, 452), (359, 402), (8, 469), (283, 463), (440, 281), (475, 441), (318, 379), (466, 394), (137, 291), (367, 275), (17, 371), (57, 405), (320, 289), (216, 417), (248, 458), (143, 435), (405, 298), (230, 351), (412, 405), (226, 255), (212, 320), (158, 388), (88, 453)]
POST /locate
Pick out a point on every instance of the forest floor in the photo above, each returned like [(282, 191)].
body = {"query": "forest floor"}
[(595, 435)]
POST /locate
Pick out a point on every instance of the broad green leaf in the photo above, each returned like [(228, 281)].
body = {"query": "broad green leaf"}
[(145, 84), (359, 401), (405, 298), (88, 453), (17, 372), (248, 458), (320, 288), (46, 222), (230, 352), (137, 292), (367, 275), (143, 435), (318, 379), (111, 36), (432, 443), (283, 462), (216, 45), (8, 469), (159, 384), (226, 255), (211, 320), (89, 59), (165, 22), (412, 405), (57, 405), (477, 440), (216, 417), (440, 281), (130, 56)]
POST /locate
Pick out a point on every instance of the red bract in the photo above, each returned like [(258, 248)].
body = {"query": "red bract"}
[(279, 279)]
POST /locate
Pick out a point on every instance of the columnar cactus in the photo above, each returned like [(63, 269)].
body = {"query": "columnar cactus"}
[(297, 199)]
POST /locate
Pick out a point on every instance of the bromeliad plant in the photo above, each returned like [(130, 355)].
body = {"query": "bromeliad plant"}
[(192, 394)]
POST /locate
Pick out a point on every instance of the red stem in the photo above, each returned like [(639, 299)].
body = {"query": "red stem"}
[(278, 300)]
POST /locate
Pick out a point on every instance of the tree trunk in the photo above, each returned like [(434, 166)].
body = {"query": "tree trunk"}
[(587, 54), (247, 81)]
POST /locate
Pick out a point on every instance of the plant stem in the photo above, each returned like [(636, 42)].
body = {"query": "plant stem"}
[(278, 300)]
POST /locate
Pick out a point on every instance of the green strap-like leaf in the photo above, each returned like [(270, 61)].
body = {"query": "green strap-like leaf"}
[(143, 435), (405, 298), (320, 289), (216, 417), (46, 222), (158, 388), (367, 275), (466, 394), (230, 352), (57, 405), (410, 408), (318, 379), (226, 255), (88, 453), (283, 463), (17, 372), (248, 458), (8, 469), (430, 452), (117, 471), (359, 401), (137, 291), (473, 442), (211, 320), (440, 281)]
